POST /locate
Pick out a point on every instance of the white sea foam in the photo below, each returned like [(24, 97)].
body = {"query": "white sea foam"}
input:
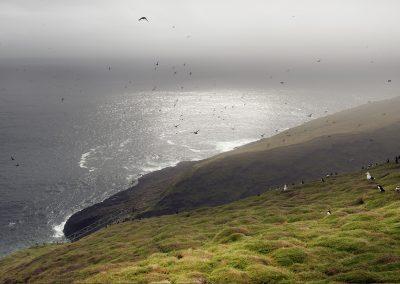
[(58, 229), (83, 162), (230, 145), (152, 166)]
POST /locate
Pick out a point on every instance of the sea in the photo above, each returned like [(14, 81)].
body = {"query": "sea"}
[(65, 145)]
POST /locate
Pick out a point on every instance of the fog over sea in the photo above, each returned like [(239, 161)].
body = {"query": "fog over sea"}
[(113, 127)]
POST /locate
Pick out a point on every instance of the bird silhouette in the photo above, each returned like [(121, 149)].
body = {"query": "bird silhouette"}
[(12, 158), (143, 19), (176, 125), (196, 132), (310, 115)]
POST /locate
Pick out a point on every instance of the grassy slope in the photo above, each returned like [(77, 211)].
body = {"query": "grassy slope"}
[(267, 238)]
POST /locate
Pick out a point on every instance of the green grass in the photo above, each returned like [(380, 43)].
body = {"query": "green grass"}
[(275, 237)]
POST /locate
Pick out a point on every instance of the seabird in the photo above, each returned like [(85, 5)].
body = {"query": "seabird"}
[(176, 125), (328, 212), (143, 19), (12, 158), (369, 177), (381, 189), (196, 132), (262, 135), (17, 165), (285, 187), (389, 81), (309, 115)]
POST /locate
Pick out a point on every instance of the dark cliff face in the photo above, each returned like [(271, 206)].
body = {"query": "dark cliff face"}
[(131, 201), (233, 177)]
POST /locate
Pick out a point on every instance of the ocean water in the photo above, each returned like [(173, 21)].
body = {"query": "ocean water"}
[(75, 153)]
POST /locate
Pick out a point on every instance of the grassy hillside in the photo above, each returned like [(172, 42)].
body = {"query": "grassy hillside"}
[(274, 237), (340, 142)]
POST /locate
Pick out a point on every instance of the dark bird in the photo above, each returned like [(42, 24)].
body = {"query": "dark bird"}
[(381, 189), (17, 165), (12, 158), (389, 81), (282, 82), (176, 125), (196, 132), (143, 19), (322, 180), (319, 60), (262, 135), (309, 115), (157, 63)]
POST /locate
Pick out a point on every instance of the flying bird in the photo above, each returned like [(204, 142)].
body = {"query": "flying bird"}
[(196, 132), (143, 19)]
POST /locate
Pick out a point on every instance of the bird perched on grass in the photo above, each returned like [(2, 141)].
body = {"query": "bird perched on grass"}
[(381, 189), (397, 189), (285, 187), (369, 177), (328, 212)]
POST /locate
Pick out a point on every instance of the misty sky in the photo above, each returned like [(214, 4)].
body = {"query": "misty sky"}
[(221, 37), (257, 28)]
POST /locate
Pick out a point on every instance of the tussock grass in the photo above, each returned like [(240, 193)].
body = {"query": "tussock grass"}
[(275, 237)]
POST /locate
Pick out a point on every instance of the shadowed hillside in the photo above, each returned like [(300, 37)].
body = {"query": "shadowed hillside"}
[(277, 236), (336, 143)]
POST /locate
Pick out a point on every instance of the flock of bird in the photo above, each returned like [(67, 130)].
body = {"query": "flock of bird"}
[(368, 176)]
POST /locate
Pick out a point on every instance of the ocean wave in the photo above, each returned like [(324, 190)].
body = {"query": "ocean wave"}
[(58, 229), (154, 166), (225, 146), (83, 162)]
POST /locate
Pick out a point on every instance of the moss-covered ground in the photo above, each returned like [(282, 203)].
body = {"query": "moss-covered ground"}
[(276, 237)]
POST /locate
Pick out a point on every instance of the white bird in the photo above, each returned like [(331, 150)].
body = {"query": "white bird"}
[(369, 177), (285, 187), (381, 189), (328, 212)]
